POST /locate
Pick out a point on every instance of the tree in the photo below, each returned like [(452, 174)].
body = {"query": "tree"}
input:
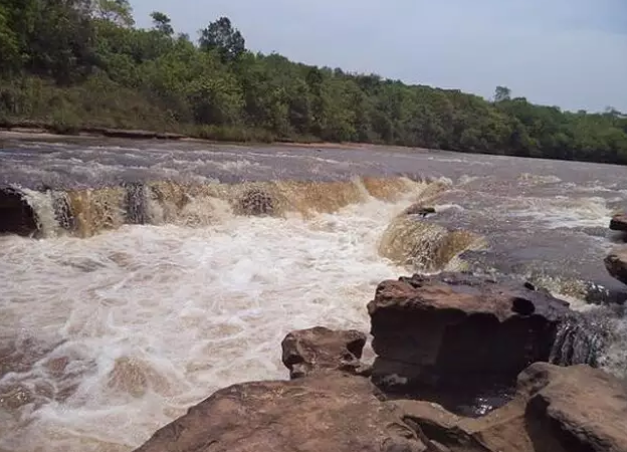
[(117, 11), (221, 36), (162, 23), (502, 93)]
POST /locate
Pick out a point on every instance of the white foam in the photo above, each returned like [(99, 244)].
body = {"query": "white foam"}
[(154, 319), (561, 211)]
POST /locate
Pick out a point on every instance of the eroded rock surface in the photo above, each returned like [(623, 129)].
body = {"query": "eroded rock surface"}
[(455, 329), (320, 348), (556, 409), (616, 264), (328, 411)]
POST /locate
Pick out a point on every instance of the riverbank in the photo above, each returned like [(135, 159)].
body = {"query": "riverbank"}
[(44, 132)]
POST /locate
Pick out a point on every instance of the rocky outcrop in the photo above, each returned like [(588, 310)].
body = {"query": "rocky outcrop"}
[(437, 333), (616, 264), (453, 329), (319, 348), (619, 222), (580, 408), (328, 411), (550, 413)]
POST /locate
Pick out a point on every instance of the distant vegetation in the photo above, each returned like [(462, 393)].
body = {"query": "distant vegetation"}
[(82, 63)]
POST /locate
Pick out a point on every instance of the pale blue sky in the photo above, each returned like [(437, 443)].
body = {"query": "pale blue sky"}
[(570, 53)]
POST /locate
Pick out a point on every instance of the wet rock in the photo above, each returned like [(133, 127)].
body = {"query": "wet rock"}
[(458, 330), (619, 222), (419, 209), (257, 202), (424, 246), (552, 412), (16, 215), (319, 348), (616, 264), (328, 411)]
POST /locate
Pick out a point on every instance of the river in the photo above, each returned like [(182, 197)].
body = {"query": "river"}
[(140, 282)]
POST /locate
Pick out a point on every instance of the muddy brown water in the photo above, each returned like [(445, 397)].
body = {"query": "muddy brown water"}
[(146, 284)]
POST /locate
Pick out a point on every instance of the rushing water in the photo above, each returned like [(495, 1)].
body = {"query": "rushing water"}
[(139, 300)]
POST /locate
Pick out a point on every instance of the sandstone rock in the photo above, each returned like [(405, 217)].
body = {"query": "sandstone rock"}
[(619, 222), (328, 411), (453, 329), (319, 348), (580, 408), (616, 264), (556, 409)]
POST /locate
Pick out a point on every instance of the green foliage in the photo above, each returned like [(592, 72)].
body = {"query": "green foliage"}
[(221, 36), (162, 23), (76, 64)]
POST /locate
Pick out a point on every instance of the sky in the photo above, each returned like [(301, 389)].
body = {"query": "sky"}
[(568, 53)]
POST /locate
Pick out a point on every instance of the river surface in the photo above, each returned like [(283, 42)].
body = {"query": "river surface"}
[(147, 284)]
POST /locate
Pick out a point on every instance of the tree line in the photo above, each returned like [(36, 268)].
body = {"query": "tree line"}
[(82, 63)]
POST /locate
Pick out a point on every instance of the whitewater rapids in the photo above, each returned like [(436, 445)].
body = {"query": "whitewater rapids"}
[(110, 330), (129, 328)]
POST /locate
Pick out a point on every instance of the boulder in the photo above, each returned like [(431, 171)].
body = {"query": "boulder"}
[(578, 408), (328, 411), (320, 348), (616, 264), (454, 329), (619, 222), (556, 409)]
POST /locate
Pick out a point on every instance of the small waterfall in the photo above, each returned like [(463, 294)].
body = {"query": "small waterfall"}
[(86, 212), (582, 339), (423, 246)]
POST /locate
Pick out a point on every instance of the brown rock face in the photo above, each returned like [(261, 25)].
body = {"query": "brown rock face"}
[(580, 408), (616, 264), (453, 329), (556, 409), (320, 348), (325, 412), (619, 222)]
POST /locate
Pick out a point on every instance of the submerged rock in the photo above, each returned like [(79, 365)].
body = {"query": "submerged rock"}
[(459, 330), (424, 246), (328, 411), (320, 348), (619, 222), (616, 264)]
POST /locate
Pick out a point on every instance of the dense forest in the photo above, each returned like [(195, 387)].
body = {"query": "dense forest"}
[(72, 64)]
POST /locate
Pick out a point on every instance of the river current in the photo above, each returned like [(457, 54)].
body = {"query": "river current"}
[(146, 278)]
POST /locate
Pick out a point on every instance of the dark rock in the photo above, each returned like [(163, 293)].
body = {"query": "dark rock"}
[(419, 209), (16, 215), (328, 411), (320, 348), (619, 222), (455, 329), (616, 264)]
